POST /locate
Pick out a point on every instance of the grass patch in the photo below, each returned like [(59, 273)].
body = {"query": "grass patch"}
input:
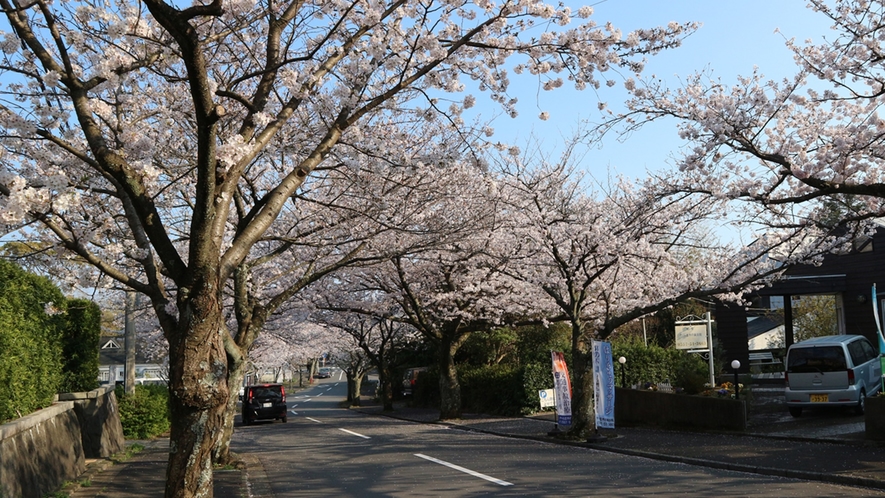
[(129, 452)]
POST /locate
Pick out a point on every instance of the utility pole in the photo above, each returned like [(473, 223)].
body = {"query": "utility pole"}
[(129, 336)]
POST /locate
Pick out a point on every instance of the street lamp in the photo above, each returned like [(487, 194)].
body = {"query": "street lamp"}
[(623, 362), (735, 365)]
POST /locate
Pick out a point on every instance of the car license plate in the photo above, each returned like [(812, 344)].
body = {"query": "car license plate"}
[(820, 398), (268, 405)]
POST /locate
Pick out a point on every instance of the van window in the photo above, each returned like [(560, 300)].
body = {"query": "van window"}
[(861, 352), (818, 359)]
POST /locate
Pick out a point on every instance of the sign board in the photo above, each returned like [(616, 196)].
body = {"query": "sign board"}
[(548, 399), (691, 337), (603, 384), (563, 386)]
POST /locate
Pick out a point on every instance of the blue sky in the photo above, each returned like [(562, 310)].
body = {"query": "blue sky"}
[(735, 37)]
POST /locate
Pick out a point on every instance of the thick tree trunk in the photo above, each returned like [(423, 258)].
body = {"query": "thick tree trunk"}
[(583, 414), (355, 384), (385, 380), (449, 388), (199, 392)]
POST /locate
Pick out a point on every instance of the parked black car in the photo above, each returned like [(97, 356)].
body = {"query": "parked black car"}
[(263, 402)]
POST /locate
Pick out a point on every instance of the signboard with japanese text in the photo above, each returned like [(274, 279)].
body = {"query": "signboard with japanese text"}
[(691, 337), (563, 387), (603, 384)]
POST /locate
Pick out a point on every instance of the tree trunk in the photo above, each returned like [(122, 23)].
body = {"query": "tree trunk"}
[(385, 380), (583, 414), (350, 383), (449, 388), (356, 385), (199, 393), (236, 372)]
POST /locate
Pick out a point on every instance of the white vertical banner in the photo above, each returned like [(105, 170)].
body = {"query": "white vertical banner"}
[(563, 388), (603, 384)]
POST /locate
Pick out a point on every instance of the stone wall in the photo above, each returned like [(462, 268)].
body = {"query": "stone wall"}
[(99, 419), (43, 450), (639, 407)]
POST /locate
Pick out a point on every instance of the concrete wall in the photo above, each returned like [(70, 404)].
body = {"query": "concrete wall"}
[(40, 451), (99, 419), (638, 407)]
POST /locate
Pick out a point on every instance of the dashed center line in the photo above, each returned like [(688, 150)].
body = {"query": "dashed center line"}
[(466, 471), (354, 433)]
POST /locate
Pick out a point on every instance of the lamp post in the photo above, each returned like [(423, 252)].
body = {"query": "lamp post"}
[(735, 365), (623, 362)]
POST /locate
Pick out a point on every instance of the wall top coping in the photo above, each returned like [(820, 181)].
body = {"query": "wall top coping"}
[(10, 429), (95, 393)]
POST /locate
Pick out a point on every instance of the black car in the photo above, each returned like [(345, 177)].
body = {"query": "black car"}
[(264, 402)]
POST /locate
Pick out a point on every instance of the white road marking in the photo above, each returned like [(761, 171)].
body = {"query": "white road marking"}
[(293, 406), (314, 420), (354, 433), (329, 389), (293, 412), (466, 471), (320, 394)]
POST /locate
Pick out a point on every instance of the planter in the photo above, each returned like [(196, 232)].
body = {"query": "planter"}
[(638, 407), (874, 418)]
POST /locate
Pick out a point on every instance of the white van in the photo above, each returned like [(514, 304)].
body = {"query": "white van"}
[(835, 370)]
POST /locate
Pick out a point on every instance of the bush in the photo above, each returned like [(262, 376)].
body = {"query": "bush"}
[(30, 341), (654, 364), (145, 413), (80, 344)]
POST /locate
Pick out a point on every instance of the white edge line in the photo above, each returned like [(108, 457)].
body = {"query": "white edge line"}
[(466, 471), (354, 433), (313, 420)]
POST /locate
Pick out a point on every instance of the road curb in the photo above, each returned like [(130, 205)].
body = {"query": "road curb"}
[(256, 482)]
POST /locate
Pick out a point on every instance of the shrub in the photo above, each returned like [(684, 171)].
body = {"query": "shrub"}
[(654, 364), (144, 413), (80, 343), (30, 341), (494, 389)]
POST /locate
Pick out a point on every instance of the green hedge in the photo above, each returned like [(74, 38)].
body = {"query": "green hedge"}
[(81, 346), (653, 364), (30, 341), (145, 413), (495, 389)]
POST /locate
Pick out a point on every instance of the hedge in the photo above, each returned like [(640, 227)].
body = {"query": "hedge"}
[(80, 344), (144, 414), (30, 341)]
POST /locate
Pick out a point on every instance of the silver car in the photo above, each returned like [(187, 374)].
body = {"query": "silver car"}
[(835, 370)]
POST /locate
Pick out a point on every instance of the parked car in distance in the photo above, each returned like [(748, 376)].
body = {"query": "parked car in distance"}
[(323, 373), (835, 370), (409, 378), (264, 402)]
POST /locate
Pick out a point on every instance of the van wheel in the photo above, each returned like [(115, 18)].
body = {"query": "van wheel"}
[(796, 411), (285, 419), (861, 402)]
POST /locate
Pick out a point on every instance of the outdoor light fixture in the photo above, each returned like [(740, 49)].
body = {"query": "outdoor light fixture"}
[(623, 362), (735, 364)]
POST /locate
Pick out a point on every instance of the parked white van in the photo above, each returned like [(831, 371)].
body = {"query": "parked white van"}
[(835, 370)]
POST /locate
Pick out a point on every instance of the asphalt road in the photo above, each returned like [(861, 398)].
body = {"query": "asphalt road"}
[(328, 450)]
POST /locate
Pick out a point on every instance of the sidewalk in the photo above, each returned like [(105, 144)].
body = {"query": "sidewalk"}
[(834, 451)]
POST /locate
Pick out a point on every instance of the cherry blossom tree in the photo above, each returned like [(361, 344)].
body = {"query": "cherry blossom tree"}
[(792, 149), (374, 327), (160, 143), (605, 257)]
